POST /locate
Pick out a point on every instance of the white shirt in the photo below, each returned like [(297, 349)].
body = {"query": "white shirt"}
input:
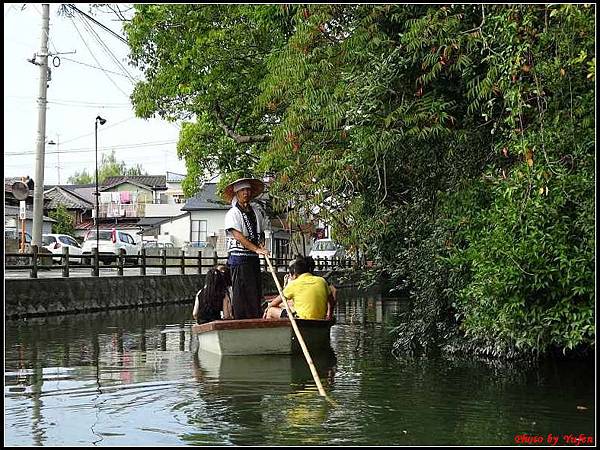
[(234, 220)]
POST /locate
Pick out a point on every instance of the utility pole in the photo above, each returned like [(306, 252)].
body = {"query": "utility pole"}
[(38, 190)]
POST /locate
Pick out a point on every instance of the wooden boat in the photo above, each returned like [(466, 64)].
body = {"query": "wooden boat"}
[(261, 336)]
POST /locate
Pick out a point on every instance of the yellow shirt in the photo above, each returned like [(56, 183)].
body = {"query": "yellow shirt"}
[(309, 294)]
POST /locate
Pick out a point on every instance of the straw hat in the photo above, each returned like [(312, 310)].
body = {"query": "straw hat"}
[(256, 185)]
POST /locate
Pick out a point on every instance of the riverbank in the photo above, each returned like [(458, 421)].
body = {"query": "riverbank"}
[(26, 298)]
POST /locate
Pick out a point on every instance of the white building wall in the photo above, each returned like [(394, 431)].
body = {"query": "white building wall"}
[(164, 210), (174, 188), (215, 228), (215, 219), (178, 229)]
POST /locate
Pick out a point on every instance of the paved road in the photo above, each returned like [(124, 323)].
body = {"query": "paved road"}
[(104, 272), (75, 271)]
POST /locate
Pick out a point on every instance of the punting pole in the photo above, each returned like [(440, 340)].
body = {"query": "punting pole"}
[(313, 370)]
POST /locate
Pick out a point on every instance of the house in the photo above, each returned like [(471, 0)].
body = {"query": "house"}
[(78, 200), (9, 198), (174, 193), (121, 201), (207, 222), (171, 200), (12, 223)]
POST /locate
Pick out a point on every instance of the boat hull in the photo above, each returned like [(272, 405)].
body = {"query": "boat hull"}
[(261, 336)]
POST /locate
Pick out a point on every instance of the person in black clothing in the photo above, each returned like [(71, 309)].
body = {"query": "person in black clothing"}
[(212, 298), (245, 225)]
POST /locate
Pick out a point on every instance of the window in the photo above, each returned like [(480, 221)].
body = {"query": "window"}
[(199, 230), (73, 242), (103, 235), (47, 240), (179, 198), (123, 237)]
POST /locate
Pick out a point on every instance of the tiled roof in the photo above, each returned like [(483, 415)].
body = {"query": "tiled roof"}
[(150, 222), (207, 198), (84, 191), (153, 181), (60, 196)]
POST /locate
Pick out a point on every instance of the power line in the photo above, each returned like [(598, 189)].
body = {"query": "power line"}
[(121, 38), (87, 149), (96, 59), (106, 50), (67, 100), (94, 67)]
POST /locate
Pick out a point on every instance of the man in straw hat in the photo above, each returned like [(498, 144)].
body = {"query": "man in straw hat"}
[(244, 226)]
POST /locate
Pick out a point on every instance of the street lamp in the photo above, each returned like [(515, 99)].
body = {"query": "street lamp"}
[(102, 122)]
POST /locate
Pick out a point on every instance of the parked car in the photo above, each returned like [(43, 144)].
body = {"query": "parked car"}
[(327, 249), (56, 242), (109, 244)]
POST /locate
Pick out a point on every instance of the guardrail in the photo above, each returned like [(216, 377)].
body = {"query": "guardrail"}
[(141, 261)]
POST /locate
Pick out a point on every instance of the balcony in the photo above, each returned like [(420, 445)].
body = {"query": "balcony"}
[(110, 210)]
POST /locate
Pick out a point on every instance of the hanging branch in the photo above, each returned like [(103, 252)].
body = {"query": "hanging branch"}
[(251, 139)]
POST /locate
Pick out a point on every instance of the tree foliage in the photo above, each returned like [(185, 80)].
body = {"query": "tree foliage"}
[(451, 144), (109, 167), (65, 223)]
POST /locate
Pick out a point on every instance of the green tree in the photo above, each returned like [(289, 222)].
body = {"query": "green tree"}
[(64, 221), (82, 177), (109, 167), (452, 144)]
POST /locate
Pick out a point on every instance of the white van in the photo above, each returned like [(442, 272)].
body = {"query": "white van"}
[(109, 244), (327, 249)]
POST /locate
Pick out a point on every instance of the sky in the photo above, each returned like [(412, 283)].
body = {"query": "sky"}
[(77, 93)]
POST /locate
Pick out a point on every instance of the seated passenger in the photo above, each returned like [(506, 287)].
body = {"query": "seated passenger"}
[(227, 306), (310, 263), (309, 294), (212, 299)]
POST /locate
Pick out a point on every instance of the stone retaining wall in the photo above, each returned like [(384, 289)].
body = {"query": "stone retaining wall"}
[(47, 296)]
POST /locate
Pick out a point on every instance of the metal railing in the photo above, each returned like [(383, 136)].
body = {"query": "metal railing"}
[(143, 261)]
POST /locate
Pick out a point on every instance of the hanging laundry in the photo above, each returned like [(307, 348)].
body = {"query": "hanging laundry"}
[(125, 197), (105, 197), (115, 197)]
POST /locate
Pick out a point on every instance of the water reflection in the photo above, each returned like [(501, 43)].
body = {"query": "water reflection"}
[(248, 395), (366, 309), (130, 377)]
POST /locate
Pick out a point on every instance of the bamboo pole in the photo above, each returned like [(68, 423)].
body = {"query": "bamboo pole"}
[(311, 365)]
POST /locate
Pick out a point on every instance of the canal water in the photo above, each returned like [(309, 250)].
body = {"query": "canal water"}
[(130, 377)]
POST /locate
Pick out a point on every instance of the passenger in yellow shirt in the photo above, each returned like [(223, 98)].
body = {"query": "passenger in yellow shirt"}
[(310, 295)]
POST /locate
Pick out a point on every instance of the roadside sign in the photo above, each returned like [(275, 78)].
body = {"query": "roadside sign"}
[(22, 213)]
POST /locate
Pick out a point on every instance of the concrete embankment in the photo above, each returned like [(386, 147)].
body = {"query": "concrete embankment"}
[(48, 296)]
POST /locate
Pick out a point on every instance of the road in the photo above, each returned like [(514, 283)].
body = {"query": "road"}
[(75, 271)]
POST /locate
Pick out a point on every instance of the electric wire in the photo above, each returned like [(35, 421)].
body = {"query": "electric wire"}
[(105, 48), (94, 67), (96, 59), (121, 38), (88, 149)]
